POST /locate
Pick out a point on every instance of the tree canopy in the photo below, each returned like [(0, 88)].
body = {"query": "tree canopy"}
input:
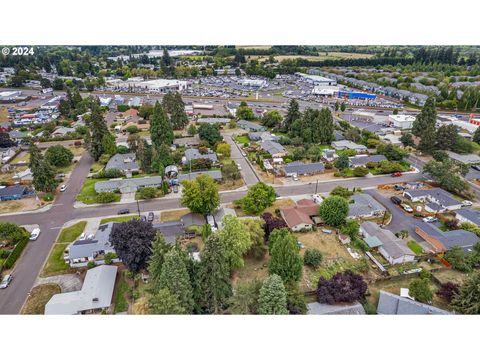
[(201, 194), (285, 259), (272, 299), (258, 198), (334, 210)]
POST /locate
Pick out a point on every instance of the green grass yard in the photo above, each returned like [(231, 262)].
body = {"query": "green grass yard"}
[(242, 139), (121, 304), (55, 263), (118, 219), (415, 247)]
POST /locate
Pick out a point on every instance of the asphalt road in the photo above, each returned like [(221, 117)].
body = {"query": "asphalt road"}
[(51, 221), (248, 172)]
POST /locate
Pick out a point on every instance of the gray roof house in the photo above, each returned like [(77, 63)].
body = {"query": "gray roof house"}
[(126, 163), (273, 148), (194, 154), (216, 174), (436, 199), (317, 308), (467, 159), (192, 219), (96, 294), (171, 230), (364, 206), (329, 155), (393, 249), (187, 141), (301, 168), (82, 251), (221, 213), (248, 125), (356, 161), (390, 304), (442, 241), (17, 135), (262, 136), (468, 216), (347, 144), (62, 131), (128, 185)]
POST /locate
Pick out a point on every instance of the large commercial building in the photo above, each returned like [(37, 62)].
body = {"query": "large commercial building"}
[(154, 86), (318, 80), (401, 121)]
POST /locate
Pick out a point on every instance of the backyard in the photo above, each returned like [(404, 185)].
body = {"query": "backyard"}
[(55, 263)]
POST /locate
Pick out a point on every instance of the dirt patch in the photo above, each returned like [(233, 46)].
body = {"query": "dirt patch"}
[(172, 215), (38, 298), (229, 185), (280, 203), (27, 204), (451, 275), (253, 269)]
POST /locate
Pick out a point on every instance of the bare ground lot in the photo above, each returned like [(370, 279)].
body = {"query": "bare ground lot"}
[(26, 204), (39, 296)]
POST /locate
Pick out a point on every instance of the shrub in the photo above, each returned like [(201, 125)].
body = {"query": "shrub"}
[(47, 197), (132, 129), (108, 257), (77, 143), (342, 287), (91, 264), (420, 290), (112, 173), (106, 197), (360, 171), (16, 252), (312, 258), (147, 193)]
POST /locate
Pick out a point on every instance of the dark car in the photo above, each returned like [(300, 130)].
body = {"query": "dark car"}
[(150, 217), (398, 187), (396, 200), (123, 212), (476, 167)]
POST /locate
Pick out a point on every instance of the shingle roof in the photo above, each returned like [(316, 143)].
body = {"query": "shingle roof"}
[(390, 304), (13, 190), (216, 174), (96, 293), (462, 238), (436, 195), (88, 248), (193, 154), (170, 230), (464, 158), (124, 162), (364, 204), (342, 144), (135, 183), (250, 125), (221, 213), (392, 245), (303, 168), (317, 308), (272, 147), (301, 213), (363, 160), (469, 214), (214, 120)]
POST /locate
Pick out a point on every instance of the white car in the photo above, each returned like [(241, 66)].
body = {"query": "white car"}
[(243, 154), (63, 188), (407, 208), (467, 203), (295, 177), (429, 219), (82, 237), (317, 199), (35, 234), (6, 281), (239, 167)]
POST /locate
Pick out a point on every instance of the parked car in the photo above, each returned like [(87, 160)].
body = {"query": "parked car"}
[(243, 154), (317, 199), (396, 174), (239, 167), (476, 167), (63, 188), (175, 189), (143, 218), (123, 212), (398, 187), (396, 200), (7, 279), (467, 203), (150, 216), (429, 219), (35, 234), (407, 208), (90, 236), (295, 177), (82, 237)]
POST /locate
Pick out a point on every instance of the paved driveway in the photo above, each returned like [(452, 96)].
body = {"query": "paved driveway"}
[(400, 220), (249, 174)]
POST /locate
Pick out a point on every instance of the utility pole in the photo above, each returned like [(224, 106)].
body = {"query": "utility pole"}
[(138, 208), (316, 187)]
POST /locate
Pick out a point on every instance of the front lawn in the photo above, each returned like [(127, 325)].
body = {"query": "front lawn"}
[(243, 139), (55, 263), (38, 298), (118, 219), (415, 247), (87, 194)]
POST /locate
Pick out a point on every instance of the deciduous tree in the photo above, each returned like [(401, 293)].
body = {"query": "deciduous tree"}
[(201, 194), (285, 259), (334, 210)]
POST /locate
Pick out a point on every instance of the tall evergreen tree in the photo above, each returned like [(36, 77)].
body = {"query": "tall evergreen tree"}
[(326, 133), (178, 117), (175, 278), (43, 173), (293, 114), (98, 128), (467, 301), (424, 126), (165, 303), (215, 275), (160, 127), (159, 249), (273, 297), (476, 136)]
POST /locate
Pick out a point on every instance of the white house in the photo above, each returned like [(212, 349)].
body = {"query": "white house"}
[(403, 122)]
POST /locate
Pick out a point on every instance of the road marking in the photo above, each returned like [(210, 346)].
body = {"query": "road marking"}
[(57, 204), (56, 227)]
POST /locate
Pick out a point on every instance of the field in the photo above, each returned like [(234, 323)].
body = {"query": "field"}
[(55, 263), (39, 296), (320, 57)]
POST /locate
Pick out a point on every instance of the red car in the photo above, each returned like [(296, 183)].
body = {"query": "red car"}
[(396, 174)]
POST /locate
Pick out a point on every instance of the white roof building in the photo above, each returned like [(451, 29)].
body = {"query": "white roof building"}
[(401, 121), (96, 294)]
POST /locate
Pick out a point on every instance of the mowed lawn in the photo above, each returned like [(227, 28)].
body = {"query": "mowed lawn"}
[(56, 264), (119, 219)]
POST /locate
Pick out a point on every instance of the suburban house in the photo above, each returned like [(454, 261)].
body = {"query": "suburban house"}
[(467, 159), (126, 163), (393, 249), (468, 216), (131, 115), (128, 185), (442, 241), (81, 252), (187, 141), (262, 136), (390, 304), (251, 126), (300, 217), (6, 154), (139, 126), (301, 168), (62, 131), (215, 174), (364, 206), (436, 199), (23, 176), (221, 213), (362, 160), (317, 308), (273, 148), (171, 230), (95, 295), (18, 136), (16, 192), (329, 155), (195, 154), (347, 144)]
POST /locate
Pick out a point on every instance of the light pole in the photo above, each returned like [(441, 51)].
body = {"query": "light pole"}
[(316, 187)]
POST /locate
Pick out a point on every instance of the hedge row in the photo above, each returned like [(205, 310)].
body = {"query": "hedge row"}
[(15, 254)]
